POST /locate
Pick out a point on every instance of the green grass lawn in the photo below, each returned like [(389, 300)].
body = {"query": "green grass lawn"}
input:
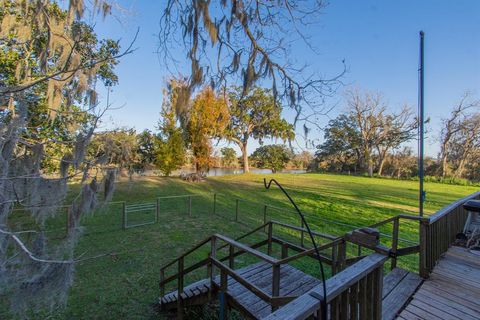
[(124, 283)]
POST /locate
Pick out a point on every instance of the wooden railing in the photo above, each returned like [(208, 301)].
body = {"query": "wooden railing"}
[(336, 258), (438, 232), (395, 251), (235, 248), (354, 293)]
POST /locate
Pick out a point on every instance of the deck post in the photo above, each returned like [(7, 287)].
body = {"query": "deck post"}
[(213, 253), (180, 289), (231, 257), (270, 234), (334, 259), (423, 268), (284, 251), (275, 283), (396, 223), (223, 289), (377, 293), (342, 255)]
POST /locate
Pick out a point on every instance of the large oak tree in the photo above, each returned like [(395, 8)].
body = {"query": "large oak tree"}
[(256, 115)]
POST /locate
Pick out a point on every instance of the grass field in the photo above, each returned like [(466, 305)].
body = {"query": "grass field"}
[(124, 283)]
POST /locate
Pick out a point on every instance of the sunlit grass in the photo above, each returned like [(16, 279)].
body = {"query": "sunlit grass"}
[(124, 283)]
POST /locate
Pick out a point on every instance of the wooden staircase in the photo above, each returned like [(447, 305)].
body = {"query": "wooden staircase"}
[(260, 288), (256, 289)]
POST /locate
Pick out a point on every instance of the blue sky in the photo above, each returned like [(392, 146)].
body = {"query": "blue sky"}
[(377, 39)]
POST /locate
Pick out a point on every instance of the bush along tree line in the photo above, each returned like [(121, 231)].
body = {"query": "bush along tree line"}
[(368, 139)]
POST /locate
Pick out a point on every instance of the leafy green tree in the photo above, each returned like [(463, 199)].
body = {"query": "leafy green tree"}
[(170, 147), (229, 157), (274, 157), (116, 148), (341, 150), (169, 144), (255, 115), (146, 149)]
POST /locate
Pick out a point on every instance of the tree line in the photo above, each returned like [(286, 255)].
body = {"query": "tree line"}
[(188, 128), (369, 139)]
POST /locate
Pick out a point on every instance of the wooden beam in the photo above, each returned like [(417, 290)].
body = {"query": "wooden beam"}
[(246, 248)]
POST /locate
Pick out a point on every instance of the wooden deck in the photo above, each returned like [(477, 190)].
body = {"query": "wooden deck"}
[(451, 292)]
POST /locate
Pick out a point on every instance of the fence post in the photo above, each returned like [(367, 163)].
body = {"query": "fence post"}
[(264, 215), (214, 203), (69, 220), (124, 220), (190, 206), (236, 210)]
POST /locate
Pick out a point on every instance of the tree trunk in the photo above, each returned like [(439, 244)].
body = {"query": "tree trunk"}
[(369, 165), (461, 167), (370, 168), (380, 167), (443, 162), (243, 148), (382, 158)]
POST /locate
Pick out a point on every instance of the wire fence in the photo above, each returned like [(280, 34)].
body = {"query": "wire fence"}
[(124, 215)]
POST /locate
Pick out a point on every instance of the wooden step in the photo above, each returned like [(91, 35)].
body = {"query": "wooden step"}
[(197, 292), (193, 294), (398, 287)]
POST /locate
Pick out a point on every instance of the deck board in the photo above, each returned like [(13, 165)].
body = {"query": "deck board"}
[(398, 286), (452, 290)]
